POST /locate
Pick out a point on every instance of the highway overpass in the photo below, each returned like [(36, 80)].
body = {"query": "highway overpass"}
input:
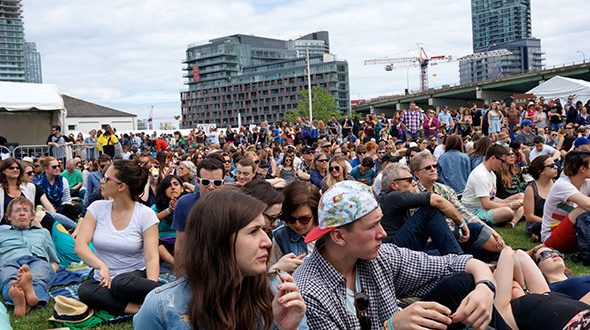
[(478, 92)]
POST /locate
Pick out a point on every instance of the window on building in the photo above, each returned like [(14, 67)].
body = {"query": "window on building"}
[(71, 127)]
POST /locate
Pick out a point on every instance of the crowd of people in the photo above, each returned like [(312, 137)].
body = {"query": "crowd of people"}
[(344, 224)]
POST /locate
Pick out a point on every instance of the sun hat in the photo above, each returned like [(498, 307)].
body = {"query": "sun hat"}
[(70, 310), (346, 202)]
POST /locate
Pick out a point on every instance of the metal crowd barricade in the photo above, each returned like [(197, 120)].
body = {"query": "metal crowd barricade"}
[(4, 152), (35, 151)]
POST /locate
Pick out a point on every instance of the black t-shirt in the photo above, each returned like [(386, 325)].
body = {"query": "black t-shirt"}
[(396, 206), (476, 116), (545, 311)]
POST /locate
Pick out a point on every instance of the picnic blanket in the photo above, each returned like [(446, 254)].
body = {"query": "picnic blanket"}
[(71, 291)]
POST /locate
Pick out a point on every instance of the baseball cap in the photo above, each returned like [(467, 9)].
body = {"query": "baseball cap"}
[(399, 142), (344, 203), (539, 139), (526, 122), (582, 140), (307, 149)]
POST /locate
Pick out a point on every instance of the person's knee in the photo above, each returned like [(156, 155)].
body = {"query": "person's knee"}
[(503, 214)]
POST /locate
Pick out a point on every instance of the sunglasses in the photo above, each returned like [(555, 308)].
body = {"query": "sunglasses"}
[(273, 218), (14, 168), (361, 303), (322, 160), (334, 168), (546, 254), (552, 165), (430, 167), (55, 167), (29, 173), (107, 178), (361, 153), (304, 220), (409, 179), (207, 182)]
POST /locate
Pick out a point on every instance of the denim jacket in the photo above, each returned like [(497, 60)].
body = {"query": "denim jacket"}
[(167, 307), (289, 241)]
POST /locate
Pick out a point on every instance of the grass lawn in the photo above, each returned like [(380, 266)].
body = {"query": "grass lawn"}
[(516, 238)]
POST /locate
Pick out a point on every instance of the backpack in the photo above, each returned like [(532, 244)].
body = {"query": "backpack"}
[(583, 237), (306, 132)]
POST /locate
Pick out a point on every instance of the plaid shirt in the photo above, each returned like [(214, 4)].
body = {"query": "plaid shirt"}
[(449, 194), (413, 120), (395, 273)]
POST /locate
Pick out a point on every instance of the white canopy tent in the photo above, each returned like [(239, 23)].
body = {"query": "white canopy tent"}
[(561, 87), (27, 112)]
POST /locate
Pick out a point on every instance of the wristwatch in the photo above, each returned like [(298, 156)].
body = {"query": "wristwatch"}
[(489, 284)]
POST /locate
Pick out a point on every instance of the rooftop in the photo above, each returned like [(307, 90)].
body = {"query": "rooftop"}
[(81, 108)]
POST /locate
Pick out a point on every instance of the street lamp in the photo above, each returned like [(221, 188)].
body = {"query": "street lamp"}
[(583, 55)]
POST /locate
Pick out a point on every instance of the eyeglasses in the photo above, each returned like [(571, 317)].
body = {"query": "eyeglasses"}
[(14, 168), (361, 303), (106, 179), (207, 182), (273, 218), (546, 254), (409, 179), (322, 160), (430, 167), (29, 173), (361, 152), (334, 168), (55, 167), (227, 161), (552, 165), (304, 220)]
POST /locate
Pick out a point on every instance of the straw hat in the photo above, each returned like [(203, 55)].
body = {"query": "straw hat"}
[(70, 310)]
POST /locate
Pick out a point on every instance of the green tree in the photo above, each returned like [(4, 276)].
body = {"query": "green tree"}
[(324, 105)]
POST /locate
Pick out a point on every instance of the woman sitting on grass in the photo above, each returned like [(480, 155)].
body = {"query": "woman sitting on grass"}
[(226, 285), (169, 191), (543, 169), (26, 258)]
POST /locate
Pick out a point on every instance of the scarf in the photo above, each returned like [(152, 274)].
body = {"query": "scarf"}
[(54, 192)]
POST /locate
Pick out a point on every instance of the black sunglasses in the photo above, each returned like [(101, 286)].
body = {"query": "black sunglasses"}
[(334, 168), (546, 254), (54, 167), (207, 182), (408, 179), (429, 167), (304, 220), (322, 160), (552, 165), (361, 303), (29, 173), (273, 218)]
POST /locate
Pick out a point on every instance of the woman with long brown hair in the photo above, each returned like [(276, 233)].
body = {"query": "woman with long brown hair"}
[(226, 285)]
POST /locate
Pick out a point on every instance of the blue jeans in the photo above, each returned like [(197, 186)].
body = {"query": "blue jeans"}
[(43, 277), (556, 126), (478, 235), (426, 222)]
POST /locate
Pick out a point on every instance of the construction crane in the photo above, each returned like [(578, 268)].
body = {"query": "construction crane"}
[(423, 60)]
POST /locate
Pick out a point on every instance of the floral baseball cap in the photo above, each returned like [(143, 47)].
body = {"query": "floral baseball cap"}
[(346, 202)]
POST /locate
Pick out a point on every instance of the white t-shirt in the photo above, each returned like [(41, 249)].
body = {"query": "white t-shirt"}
[(557, 205), (439, 150), (547, 150), (121, 250), (480, 183)]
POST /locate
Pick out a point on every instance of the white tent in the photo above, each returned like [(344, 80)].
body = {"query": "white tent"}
[(561, 87), (27, 112)]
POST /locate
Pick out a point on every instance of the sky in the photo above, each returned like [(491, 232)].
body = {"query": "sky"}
[(127, 54)]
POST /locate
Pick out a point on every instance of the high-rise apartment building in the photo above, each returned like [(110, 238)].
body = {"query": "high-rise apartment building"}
[(256, 77), (32, 64), (12, 39), (499, 21), (501, 24)]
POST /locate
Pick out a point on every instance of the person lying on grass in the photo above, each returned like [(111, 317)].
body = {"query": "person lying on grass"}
[(26, 257)]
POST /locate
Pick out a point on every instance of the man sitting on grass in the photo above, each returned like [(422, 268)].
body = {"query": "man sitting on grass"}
[(26, 254)]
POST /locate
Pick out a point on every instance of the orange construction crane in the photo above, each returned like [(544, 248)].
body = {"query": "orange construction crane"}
[(422, 60)]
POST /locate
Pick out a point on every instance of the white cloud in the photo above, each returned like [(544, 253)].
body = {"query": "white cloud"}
[(127, 53)]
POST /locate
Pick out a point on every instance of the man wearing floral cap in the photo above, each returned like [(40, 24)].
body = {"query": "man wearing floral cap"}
[(352, 280)]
